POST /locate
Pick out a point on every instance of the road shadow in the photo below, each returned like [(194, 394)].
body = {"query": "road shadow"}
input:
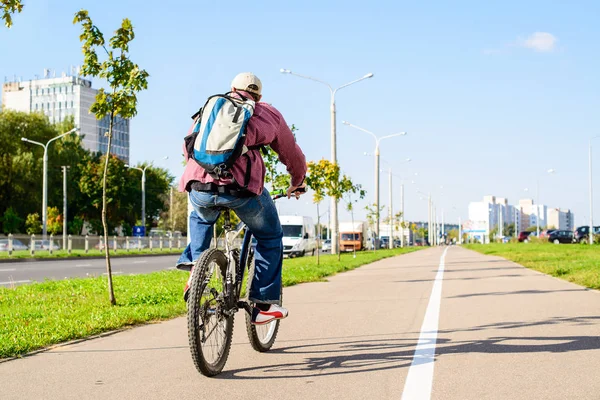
[(331, 359), (537, 344), (352, 356), (574, 321), (472, 278), (517, 292)]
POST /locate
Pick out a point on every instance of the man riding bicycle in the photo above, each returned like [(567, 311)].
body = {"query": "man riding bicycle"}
[(252, 204)]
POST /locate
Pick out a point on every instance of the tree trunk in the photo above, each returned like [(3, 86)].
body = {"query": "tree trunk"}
[(318, 233), (111, 292)]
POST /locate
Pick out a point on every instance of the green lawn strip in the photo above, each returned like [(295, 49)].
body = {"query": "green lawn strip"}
[(25, 254), (42, 314), (575, 263)]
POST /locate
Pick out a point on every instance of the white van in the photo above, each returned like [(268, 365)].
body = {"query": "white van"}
[(298, 235)]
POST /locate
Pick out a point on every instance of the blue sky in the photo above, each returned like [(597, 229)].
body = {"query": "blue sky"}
[(489, 104)]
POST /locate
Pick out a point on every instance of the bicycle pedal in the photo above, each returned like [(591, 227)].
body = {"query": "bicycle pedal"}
[(245, 306)]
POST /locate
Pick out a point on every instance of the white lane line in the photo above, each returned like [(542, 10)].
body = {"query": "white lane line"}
[(140, 262), (8, 270), (83, 265), (420, 375), (11, 282), (114, 273)]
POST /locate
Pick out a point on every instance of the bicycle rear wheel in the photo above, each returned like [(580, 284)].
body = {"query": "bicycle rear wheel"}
[(210, 327), (262, 337)]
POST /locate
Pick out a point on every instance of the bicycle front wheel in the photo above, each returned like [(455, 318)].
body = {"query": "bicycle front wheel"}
[(210, 326), (262, 337)]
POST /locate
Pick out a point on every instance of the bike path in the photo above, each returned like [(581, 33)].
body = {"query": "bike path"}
[(502, 332)]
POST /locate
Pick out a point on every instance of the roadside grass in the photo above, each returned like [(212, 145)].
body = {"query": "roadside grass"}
[(575, 263), (21, 254), (42, 314)]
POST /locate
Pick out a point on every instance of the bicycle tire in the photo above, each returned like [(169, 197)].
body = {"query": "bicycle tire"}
[(261, 337), (200, 310)]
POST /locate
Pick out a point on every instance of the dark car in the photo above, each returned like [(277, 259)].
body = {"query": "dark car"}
[(524, 236), (582, 233), (384, 243), (557, 237)]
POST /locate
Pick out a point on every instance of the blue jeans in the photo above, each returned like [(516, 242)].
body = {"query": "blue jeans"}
[(260, 215)]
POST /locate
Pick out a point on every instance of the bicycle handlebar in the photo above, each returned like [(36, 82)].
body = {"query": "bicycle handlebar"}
[(282, 193)]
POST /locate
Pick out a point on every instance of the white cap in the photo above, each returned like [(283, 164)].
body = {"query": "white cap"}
[(248, 82)]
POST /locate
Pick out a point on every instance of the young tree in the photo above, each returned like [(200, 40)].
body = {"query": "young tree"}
[(372, 213), (325, 179), (9, 7), (11, 222), (54, 221), (125, 79), (275, 175), (33, 224)]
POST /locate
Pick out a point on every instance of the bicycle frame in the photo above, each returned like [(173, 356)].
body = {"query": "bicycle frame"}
[(236, 265)]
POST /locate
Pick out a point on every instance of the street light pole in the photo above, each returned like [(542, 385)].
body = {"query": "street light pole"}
[(334, 203), (64, 170), (45, 176), (143, 192), (402, 215), (591, 236), (391, 215), (377, 155), (537, 195)]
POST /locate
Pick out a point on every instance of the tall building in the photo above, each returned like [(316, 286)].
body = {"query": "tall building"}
[(561, 219), (532, 213), (58, 98)]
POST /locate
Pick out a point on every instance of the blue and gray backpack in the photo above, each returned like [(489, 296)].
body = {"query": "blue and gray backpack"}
[(219, 134)]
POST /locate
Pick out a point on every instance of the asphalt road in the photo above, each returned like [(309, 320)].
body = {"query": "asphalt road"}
[(19, 273), (418, 326)]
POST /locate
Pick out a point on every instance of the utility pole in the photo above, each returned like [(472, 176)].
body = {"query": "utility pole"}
[(64, 170), (391, 213), (171, 211), (402, 215)]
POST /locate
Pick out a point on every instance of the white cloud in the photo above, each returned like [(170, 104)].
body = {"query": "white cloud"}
[(543, 42)]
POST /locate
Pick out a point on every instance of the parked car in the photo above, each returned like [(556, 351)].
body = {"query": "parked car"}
[(44, 245), (524, 236), (560, 236), (17, 245), (111, 245), (134, 244), (384, 242), (326, 246), (581, 234)]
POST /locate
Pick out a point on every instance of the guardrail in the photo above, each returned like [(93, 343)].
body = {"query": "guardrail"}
[(36, 243)]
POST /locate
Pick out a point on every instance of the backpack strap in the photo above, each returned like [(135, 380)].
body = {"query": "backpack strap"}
[(198, 113), (248, 172)]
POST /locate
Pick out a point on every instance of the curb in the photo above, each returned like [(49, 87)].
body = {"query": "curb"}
[(22, 260), (59, 345)]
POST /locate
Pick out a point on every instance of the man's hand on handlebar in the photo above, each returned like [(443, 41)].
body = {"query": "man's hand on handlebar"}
[(296, 191)]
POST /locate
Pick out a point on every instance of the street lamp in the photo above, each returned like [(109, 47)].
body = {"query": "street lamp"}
[(537, 200), (45, 177), (143, 189), (429, 214), (459, 226), (334, 204), (591, 236), (143, 192), (377, 141)]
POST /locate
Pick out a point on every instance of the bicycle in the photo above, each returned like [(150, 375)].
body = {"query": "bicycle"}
[(214, 299)]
